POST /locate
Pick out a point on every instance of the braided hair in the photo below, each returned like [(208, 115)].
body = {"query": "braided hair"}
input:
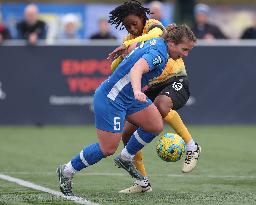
[(132, 7)]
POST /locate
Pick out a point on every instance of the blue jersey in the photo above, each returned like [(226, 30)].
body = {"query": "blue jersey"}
[(114, 99), (118, 86)]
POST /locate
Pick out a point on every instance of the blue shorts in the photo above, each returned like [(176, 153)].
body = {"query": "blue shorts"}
[(110, 115)]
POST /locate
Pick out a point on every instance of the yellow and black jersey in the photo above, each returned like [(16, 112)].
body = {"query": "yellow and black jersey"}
[(152, 29), (172, 68)]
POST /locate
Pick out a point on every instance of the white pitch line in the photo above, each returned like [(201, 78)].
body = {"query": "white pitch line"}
[(124, 174), (31, 185)]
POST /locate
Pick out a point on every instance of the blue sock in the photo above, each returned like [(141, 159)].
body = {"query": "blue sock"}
[(138, 140), (88, 156)]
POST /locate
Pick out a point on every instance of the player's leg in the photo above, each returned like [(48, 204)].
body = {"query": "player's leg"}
[(90, 154), (171, 98), (109, 123), (129, 129), (150, 122), (138, 186)]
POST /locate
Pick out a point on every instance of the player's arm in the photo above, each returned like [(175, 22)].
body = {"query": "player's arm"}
[(115, 63), (139, 68), (154, 32), (118, 60)]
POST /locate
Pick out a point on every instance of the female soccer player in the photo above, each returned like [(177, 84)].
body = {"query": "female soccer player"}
[(120, 97), (170, 91)]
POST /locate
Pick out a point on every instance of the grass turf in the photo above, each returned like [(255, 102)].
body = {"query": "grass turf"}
[(226, 173)]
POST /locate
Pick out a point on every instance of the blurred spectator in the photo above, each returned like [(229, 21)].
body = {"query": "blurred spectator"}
[(104, 32), (250, 32), (4, 32), (202, 28), (148, 1), (184, 12), (156, 10), (31, 28), (70, 27)]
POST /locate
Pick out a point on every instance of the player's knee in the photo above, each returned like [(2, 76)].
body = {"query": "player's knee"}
[(154, 126), (108, 150), (157, 128), (163, 104)]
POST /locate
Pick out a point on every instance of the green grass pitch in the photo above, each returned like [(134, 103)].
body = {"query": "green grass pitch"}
[(226, 173)]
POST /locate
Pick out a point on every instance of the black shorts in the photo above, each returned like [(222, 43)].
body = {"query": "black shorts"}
[(177, 88)]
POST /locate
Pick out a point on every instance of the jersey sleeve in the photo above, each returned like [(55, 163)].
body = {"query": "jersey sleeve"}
[(153, 26), (115, 63), (154, 58), (153, 33), (118, 60)]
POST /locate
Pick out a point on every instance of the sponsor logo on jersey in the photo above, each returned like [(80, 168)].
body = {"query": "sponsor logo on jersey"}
[(157, 60), (152, 42), (177, 86)]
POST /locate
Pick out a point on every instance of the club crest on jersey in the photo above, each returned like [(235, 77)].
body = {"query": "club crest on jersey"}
[(152, 42), (157, 60), (177, 86)]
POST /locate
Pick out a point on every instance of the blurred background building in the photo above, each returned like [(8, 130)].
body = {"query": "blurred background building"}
[(231, 17), (74, 39)]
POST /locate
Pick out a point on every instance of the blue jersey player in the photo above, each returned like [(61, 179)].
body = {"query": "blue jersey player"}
[(119, 98), (117, 93)]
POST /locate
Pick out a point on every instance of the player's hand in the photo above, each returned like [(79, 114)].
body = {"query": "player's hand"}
[(140, 96), (117, 52)]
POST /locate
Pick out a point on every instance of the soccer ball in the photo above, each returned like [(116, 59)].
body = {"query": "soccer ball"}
[(170, 147)]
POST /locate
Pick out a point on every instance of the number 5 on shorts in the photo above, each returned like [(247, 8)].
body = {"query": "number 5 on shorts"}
[(117, 123)]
